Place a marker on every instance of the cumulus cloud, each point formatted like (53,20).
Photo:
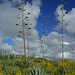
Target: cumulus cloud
(68,18)
(53,44)
(8,20)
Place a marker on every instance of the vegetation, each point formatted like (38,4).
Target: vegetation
(18,66)
(11,64)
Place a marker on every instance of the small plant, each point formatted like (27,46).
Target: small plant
(35,70)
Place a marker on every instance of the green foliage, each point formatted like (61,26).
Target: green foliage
(35,70)
(37,60)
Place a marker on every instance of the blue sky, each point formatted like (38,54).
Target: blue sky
(38,9)
(48,9)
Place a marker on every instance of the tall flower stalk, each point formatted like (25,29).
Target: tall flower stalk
(23,25)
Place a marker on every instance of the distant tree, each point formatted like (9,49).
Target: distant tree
(23,23)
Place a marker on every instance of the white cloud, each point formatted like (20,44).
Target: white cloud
(8,20)
(68,18)
(8,28)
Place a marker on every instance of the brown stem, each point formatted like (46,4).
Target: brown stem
(62,41)
(23,31)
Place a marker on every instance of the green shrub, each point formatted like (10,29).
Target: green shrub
(35,70)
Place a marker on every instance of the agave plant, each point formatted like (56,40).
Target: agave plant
(35,70)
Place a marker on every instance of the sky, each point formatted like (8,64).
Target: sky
(9,42)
